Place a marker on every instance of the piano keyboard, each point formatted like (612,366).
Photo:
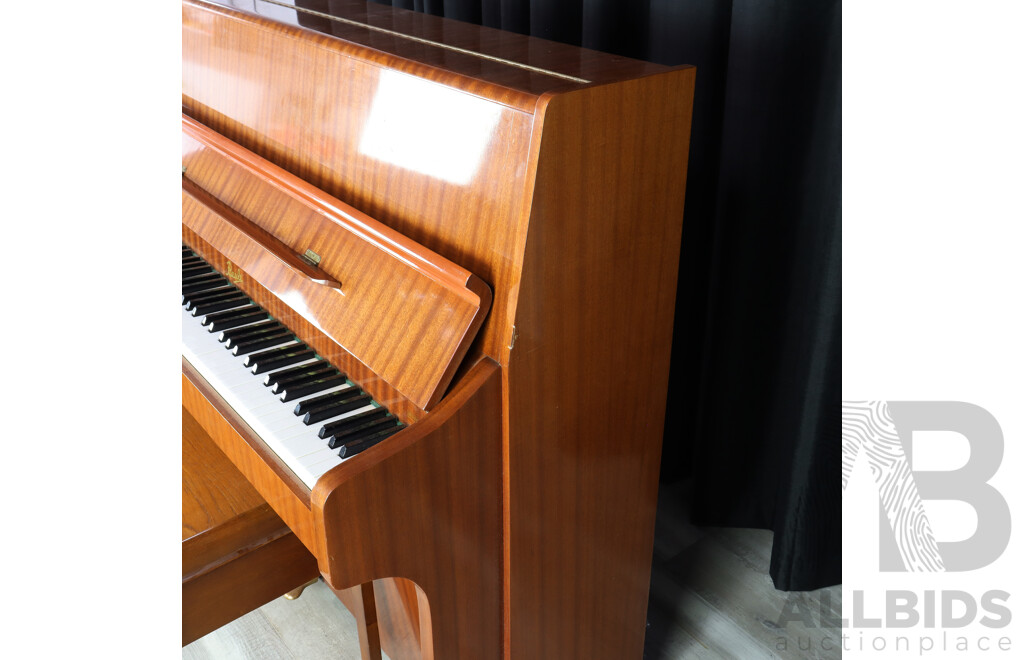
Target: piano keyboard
(303,408)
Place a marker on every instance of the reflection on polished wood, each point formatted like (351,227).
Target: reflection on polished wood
(370,277)
(514,517)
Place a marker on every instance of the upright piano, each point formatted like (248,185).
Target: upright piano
(429,271)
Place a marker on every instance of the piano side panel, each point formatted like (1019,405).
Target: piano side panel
(426,506)
(589,371)
(442,159)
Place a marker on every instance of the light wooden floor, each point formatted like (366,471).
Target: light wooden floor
(711,597)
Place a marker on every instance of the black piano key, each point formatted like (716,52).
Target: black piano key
(219,304)
(275,354)
(230,314)
(260,342)
(300,390)
(216,280)
(320,413)
(238,333)
(302,378)
(304,406)
(342,425)
(286,374)
(328,399)
(234,321)
(231,343)
(199,277)
(361,431)
(253,331)
(191,270)
(352,448)
(242,310)
(213,294)
(283,357)
(193,298)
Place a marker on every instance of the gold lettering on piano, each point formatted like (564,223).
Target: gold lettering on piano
(233,273)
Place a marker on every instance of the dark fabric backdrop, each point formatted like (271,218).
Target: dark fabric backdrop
(754,393)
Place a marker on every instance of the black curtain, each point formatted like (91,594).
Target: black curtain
(754,392)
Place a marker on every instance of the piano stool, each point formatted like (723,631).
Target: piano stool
(236,553)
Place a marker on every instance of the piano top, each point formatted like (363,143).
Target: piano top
(435,128)
(525,64)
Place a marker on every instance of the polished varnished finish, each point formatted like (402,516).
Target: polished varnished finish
(566,197)
(275,483)
(519,62)
(406,313)
(381,391)
(211,599)
(360,602)
(597,300)
(439,483)
(229,535)
(400,621)
(339,138)
(212,490)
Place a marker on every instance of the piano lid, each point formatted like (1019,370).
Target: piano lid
(526,64)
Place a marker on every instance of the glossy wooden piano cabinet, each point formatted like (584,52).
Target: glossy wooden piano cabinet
(523,502)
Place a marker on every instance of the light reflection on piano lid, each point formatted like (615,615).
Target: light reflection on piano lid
(446,140)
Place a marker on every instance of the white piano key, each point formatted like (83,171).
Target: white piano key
(296,443)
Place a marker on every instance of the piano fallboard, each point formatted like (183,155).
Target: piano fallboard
(405,312)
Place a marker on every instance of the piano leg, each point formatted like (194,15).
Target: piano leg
(360,602)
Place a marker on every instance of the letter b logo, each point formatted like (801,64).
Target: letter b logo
(883,430)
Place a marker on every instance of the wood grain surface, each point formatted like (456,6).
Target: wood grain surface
(381,390)
(459,189)
(588,376)
(213,598)
(236,554)
(407,313)
(213,492)
(435,496)
(530,534)
(527,64)
(360,602)
(281,489)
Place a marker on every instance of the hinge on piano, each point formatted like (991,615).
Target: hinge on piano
(515,335)
(311,258)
